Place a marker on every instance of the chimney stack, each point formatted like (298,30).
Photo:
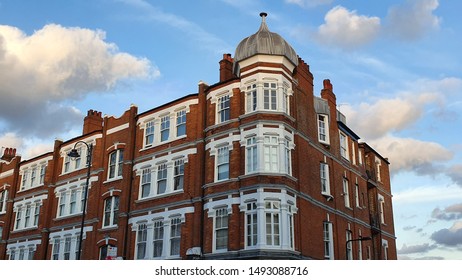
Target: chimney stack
(92,122)
(8,154)
(226,67)
(327,93)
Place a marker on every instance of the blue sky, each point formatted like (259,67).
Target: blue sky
(395,66)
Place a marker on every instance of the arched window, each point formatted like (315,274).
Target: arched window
(111,211)
(116,159)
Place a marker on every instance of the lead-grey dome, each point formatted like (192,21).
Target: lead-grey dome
(264,42)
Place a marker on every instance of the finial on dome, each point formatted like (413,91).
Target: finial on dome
(263,16)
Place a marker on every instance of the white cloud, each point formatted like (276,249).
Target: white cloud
(455,173)
(413,249)
(377,122)
(347,29)
(10,140)
(412,19)
(407,154)
(53,65)
(450,213)
(427,194)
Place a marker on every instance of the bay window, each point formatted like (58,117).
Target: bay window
(270,96)
(252,155)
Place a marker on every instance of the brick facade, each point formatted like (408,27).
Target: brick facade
(222,174)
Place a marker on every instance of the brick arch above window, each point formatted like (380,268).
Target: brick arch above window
(116,146)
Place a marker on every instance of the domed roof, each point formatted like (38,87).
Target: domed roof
(264,42)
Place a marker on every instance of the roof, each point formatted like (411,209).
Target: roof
(265,42)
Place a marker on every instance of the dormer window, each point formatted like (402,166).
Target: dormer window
(323,129)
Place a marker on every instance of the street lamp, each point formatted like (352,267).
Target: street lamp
(75,154)
(353,240)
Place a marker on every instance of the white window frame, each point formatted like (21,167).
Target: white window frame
(273,212)
(165,128)
(65,201)
(181,123)
(252,161)
(25,179)
(158,238)
(328,237)
(115,164)
(325,178)
(252,98)
(349,246)
(346,192)
(146,182)
(251,224)
(111,211)
(323,129)
(68,167)
(378,165)
(26,215)
(271,153)
(175,236)
(270,96)
(58,240)
(178,174)
(222,163)
(357,200)
(344,146)
(385,249)
(149,136)
(381,201)
(220,227)
(224,108)
(141,238)
(3,200)
(162,179)
(43,170)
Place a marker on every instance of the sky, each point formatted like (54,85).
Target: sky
(396,68)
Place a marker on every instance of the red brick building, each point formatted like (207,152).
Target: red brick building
(254,166)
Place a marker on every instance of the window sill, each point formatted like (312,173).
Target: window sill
(25,229)
(30,188)
(268,174)
(156,144)
(72,171)
(216,183)
(108,228)
(113,180)
(67,216)
(263,111)
(328,196)
(158,196)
